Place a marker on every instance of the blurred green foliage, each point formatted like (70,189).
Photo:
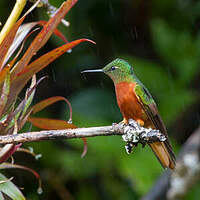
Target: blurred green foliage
(161,41)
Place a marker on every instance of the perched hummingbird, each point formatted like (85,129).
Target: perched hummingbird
(135,102)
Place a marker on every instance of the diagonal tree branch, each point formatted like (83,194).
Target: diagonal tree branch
(175,185)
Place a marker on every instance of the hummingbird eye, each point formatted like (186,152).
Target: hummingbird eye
(112,68)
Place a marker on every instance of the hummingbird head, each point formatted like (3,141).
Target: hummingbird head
(118,70)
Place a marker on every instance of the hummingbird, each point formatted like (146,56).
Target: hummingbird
(135,102)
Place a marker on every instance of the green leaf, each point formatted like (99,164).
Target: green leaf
(8,188)
(29,98)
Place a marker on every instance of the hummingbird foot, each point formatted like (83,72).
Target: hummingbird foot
(135,134)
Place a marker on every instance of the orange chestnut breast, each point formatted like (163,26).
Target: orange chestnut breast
(128,103)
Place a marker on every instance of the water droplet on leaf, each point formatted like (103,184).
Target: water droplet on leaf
(70,121)
(39,190)
(69,51)
(38,156)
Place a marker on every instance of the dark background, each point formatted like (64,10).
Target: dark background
(161,41)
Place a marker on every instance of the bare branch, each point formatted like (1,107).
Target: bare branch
(58,134)
(132,134)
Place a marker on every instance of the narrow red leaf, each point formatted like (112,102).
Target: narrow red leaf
(49,57)
(6,43)
(47,102)
(50,124)
(19,81)
(44,35)
(9,165)
(15,166)
(8,40)
(3,73)
(43,104)
(56,31)
(7,151)
(85,147)
(54,124)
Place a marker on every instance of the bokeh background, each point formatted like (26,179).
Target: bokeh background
(161,41)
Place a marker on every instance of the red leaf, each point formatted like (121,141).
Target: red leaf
(44,35)
(41,105)
(7,151)
(8,40)
(6,43)
(8,165)
(49,57)
(47,102)
(19,81)
(15,166)
(54,124)
(56,31)
(50,124)
(85,147)
(4,72)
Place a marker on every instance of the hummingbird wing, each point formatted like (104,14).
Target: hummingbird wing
(162,150)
